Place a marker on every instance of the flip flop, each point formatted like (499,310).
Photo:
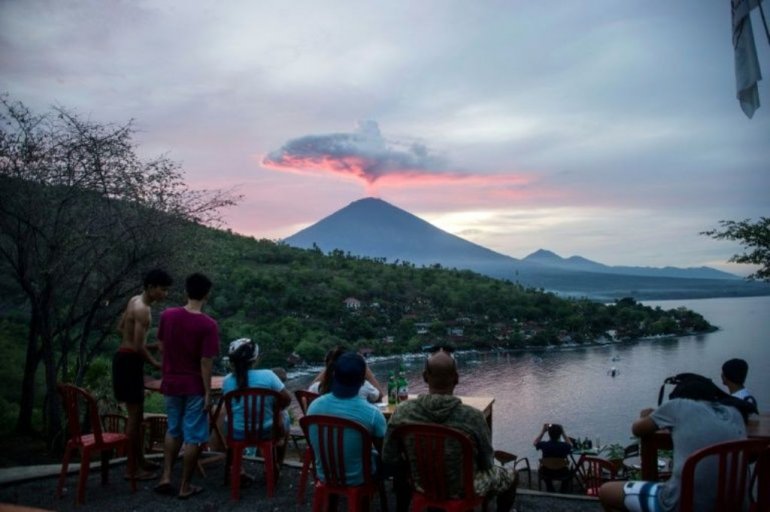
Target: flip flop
(193,491)
(165,488)
(144,475)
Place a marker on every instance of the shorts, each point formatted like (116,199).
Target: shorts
(128,377)
(187,419)
(641,496)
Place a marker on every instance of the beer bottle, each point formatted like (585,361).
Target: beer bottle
(403,386)
(392,389)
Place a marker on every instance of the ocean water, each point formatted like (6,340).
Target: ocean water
(574,387)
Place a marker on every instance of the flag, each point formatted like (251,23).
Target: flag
(747,72)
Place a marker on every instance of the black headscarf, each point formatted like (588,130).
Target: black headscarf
(697,387)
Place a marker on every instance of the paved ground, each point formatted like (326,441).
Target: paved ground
(35,487)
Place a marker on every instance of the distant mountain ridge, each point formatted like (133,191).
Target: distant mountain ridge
(373,228)
(545,257)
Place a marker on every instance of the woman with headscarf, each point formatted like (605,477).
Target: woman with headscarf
(243,354)
(698,414)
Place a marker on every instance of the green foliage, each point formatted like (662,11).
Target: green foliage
(753,237)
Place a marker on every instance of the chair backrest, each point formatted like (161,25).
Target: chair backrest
(335,452)
(253,405)
(432,453)
(632,450)
(733,461)
(78,402)
(305,398)
(156,426)
(113,422)
(596,471)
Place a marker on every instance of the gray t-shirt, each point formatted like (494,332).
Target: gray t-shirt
(695,425)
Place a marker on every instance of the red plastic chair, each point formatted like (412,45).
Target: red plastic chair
(733,485)
(305,398)
(595,471)
(432,479)
(74,399)
(327,442)
(255,401)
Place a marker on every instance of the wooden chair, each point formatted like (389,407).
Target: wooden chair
(115,423)
(504,458)
(561,464)
(596,471)
(255,403)
(77,402)
(304,399)
(334,442)
(433,481)
(734,481)
(155,427)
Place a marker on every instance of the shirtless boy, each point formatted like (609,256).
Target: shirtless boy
(128,364)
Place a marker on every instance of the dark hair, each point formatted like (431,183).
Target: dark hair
(157,277)
(697,387)
(197,286)
(241,361)
(332,355)
(735,370)
(555,431)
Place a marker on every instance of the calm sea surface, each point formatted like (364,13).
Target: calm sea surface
(573,386)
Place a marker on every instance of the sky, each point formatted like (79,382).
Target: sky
(607,129)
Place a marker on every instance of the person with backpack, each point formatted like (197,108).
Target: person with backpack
(699,414)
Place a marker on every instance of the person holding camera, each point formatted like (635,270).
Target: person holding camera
(554,465)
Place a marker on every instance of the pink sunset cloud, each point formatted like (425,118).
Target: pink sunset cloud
(366,156)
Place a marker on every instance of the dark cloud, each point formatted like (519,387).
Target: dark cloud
(363,153)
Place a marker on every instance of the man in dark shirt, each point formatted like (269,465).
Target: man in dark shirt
(554,464)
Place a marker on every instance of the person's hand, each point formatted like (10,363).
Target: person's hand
(545,426)
(646,412)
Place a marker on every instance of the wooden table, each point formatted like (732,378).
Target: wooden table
(758,427)
(482,403)
(153,384)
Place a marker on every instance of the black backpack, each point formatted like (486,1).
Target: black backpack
(678,379)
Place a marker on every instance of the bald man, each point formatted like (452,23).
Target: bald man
(441,407)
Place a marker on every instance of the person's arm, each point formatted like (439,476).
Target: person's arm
(207,363)
(645,424)
(566,438)
(285,399)
(377,443)
(540,436)
(373,380)
(141,327)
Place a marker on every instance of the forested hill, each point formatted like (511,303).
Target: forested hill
(302,302)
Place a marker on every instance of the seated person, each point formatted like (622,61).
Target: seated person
(440,406)
(734,373)
(243,355)
(344,401)
(699,414)
(370,390)
(554,465)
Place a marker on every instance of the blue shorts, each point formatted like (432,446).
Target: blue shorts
(641,496)
(187,419)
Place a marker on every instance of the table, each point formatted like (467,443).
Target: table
(482,403)
(758,427)
(153,384)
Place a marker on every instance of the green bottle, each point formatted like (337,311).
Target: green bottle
(392,389)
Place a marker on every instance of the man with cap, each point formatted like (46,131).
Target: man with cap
(440,406)
(349,373)
(734,373)
(243,355)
